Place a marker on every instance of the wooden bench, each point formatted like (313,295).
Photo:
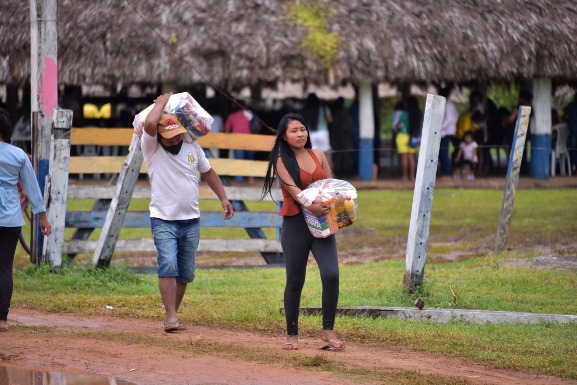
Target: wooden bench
(253,222)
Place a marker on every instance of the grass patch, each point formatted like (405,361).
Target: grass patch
(463,226)
(250,299)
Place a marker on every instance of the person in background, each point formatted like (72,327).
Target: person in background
(398,110)
(570,112)
(376,133)
(480,102)
(525,98)
(175,167)
(466,159)
(296,165)
(555,118)
(354,138)
(408,124)
(340,136)
(449,129)
(319,117)
(470,121)
(217,125)
(238,122)
(15,167)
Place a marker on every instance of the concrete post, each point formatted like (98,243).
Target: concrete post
(418,237)
(541,129)
(44,96)
(366,132)
(521,129)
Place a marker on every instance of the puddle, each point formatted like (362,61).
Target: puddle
(15,375)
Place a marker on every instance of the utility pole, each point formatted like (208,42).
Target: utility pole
(44,96)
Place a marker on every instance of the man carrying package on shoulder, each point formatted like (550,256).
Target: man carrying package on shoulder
(175,167)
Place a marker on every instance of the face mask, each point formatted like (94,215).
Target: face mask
(174,149)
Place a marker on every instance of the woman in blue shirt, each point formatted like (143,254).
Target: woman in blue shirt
(14,167)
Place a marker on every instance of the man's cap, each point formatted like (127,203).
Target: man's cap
(169,126)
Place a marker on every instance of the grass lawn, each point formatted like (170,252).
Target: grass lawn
(250,299)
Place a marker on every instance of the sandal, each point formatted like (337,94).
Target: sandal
(334,346)
(171,327)
(290,346)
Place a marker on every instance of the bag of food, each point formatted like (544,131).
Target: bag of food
(341,196)
(190,114)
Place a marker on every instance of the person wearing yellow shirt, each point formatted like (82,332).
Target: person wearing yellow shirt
(469,121)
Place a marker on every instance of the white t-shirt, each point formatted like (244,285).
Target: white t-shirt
(469,151)
(450,119)
(174,179)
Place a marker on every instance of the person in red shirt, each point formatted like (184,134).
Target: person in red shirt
(238,122)
(296,165)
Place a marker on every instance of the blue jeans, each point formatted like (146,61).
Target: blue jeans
(176,243)
(444,157)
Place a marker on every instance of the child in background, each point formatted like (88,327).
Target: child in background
(466,159)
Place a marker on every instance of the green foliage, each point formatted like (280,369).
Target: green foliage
(322,43)
(504,94)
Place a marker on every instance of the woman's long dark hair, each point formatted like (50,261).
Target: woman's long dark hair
(283,150)
(5,126)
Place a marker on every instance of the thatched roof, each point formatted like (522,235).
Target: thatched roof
(234,43)
(457,40)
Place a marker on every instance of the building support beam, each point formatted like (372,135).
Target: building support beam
(541,129)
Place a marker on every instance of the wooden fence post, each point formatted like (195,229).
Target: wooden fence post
(57,186)
(119,204)
(512,177)
(423,195)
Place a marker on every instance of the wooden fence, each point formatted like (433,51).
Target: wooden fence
(253,222)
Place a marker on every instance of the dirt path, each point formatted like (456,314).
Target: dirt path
(68,351)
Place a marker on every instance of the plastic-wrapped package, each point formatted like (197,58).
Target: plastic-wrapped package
(342,197)
(191,114)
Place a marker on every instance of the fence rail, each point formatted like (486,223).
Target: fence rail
(253,222)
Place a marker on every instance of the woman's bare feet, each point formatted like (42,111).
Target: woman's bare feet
(4,326)
(333,343)
(292,343)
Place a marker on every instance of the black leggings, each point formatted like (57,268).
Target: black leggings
(8,242)
(297,242)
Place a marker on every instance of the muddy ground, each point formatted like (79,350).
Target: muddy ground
(74,344)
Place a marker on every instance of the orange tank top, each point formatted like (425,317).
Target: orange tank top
(291,207)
